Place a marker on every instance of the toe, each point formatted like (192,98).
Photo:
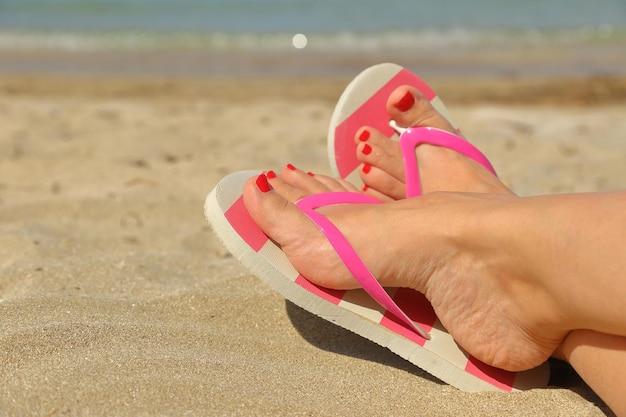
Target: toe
(270,206)
(334,184)
(380,152)
(294,181)
(301,180)
(381,185)
(409,107)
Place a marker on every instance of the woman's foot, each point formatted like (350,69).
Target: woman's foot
(428,244)
(441,169)
(424,243)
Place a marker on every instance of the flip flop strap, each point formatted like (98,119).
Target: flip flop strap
(346,252)
(415,136)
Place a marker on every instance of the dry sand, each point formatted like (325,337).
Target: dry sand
(116,298)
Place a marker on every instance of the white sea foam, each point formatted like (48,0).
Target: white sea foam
(351,41)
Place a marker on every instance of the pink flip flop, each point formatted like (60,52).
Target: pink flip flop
(397,318)
(363,102)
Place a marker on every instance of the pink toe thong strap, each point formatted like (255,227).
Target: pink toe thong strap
(415,136)
(346,252)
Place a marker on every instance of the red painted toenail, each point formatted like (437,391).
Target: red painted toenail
(262,184)
(406,102)
(365,135)
(366,168)
(367,149)
(291,167)
(270,175)
(365,188)
(310,174)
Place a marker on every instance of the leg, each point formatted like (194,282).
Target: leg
(600,360)
(419,256)
(596,356)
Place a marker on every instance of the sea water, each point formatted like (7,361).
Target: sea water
(332,26)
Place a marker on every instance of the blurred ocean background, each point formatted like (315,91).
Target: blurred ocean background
(226,36)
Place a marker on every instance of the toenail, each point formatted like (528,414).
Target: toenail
(365,187)
(262,184)
(291,167)
(270,174)
(366,168)
(406,102)
(367,149)
(310,174)
(365,135)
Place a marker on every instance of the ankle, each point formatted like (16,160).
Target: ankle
(505,240)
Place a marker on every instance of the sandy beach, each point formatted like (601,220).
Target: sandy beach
(117,299)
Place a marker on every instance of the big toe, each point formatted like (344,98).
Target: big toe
(408,107)
(271,210)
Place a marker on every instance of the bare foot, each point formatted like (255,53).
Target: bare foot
(435,244)
(441,169)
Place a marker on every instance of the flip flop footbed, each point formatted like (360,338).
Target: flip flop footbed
(364,103)
(355,310)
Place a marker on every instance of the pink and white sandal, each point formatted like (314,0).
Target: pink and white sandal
(363,102)
(397,318)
